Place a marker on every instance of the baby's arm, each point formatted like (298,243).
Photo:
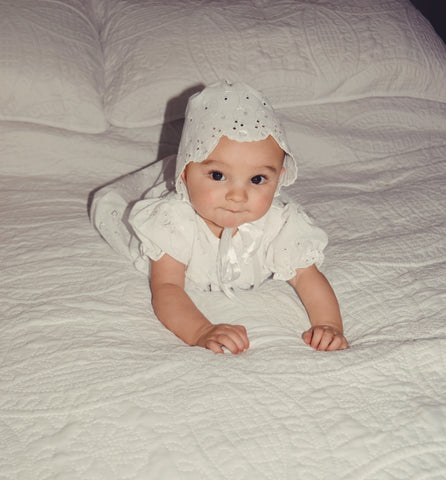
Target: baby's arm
(318,298)
(178,313)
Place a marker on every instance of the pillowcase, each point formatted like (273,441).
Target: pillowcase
(51,65)
(296,52)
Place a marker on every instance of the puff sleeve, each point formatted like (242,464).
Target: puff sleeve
(298,244)
(164,226)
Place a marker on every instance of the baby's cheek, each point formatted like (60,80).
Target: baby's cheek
(202,198)
(264,203)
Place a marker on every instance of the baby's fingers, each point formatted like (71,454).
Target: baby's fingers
(235,340)
(321,338)
(339,342)
(306,336)
(233,337)
(325,338)
(221,342)
(313,337)
(242,337)
(214,346)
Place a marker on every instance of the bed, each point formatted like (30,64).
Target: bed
(91,385)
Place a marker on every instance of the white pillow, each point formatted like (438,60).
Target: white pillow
(51,67)
(297,52)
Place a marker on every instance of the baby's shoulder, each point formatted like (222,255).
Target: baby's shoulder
(282,212)
(170,210)
(288,220)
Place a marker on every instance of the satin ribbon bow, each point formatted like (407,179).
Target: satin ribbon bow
(228,266)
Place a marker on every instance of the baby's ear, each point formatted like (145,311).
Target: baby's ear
(281,171)
(183,176)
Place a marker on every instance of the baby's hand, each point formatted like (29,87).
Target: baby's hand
(233,337)
(325,337)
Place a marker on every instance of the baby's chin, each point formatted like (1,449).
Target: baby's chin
(217,228)
(235,220)
(228,220)
(231,222)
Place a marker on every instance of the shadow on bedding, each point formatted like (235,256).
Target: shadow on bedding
(109,205)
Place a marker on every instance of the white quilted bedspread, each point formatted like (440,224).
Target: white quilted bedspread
(93,387)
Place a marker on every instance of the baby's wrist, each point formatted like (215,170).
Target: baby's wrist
(328,326)
(200,334)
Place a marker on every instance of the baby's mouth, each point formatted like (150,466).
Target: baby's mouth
(229,210)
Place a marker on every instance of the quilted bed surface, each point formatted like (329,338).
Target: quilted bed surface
(93,387)
(82,64)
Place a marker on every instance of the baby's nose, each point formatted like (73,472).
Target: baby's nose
(237,193)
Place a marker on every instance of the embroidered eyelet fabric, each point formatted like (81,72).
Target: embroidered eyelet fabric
(275,245)
(92,385)
(237,111)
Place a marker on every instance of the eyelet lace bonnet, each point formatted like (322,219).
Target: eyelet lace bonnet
(237,111)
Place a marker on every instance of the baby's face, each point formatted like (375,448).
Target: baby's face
(236,183)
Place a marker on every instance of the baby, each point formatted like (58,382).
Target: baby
(225,228)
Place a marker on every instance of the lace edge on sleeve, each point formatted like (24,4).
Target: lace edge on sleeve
(163,227)
(298,244)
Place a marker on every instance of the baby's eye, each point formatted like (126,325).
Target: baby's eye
(258,179)
(217,176)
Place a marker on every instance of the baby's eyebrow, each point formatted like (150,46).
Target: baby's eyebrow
(269,167)
(210,161)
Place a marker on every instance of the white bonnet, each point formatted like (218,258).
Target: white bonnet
(237,111)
